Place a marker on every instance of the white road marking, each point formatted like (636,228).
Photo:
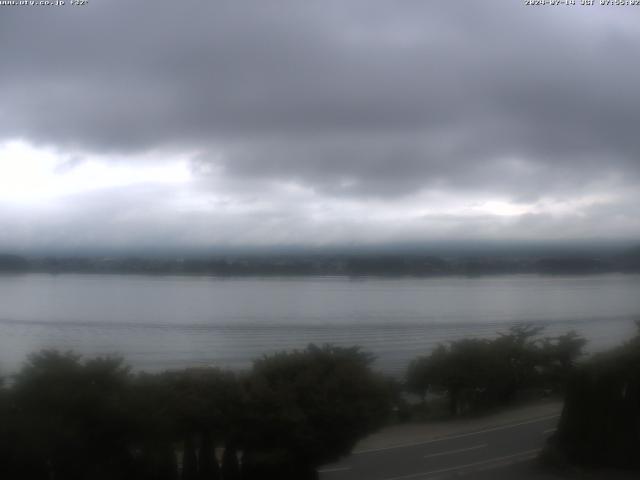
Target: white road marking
(453,437)
(525,456)
(336,469)
(459,450)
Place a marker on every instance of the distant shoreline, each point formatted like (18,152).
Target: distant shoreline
(344,266)
(293,276)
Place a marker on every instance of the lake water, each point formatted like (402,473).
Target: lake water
(172,322)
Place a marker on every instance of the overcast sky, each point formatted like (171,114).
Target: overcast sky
(274,122)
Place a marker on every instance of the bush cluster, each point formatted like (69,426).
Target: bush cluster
(476,374)
(67,418)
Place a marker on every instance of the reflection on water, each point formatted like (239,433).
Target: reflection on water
(163,322)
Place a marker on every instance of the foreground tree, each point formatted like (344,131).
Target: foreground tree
(600,423)
(309,407)
(193,411)
(559,358)
(70,419)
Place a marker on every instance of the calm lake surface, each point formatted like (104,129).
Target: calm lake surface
(172,322)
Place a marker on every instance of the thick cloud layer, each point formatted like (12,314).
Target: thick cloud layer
(383,106)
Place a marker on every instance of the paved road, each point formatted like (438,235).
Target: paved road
(452,455)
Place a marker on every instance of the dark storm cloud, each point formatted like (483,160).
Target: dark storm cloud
(348,97)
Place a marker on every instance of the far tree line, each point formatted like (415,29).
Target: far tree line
(377,264)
